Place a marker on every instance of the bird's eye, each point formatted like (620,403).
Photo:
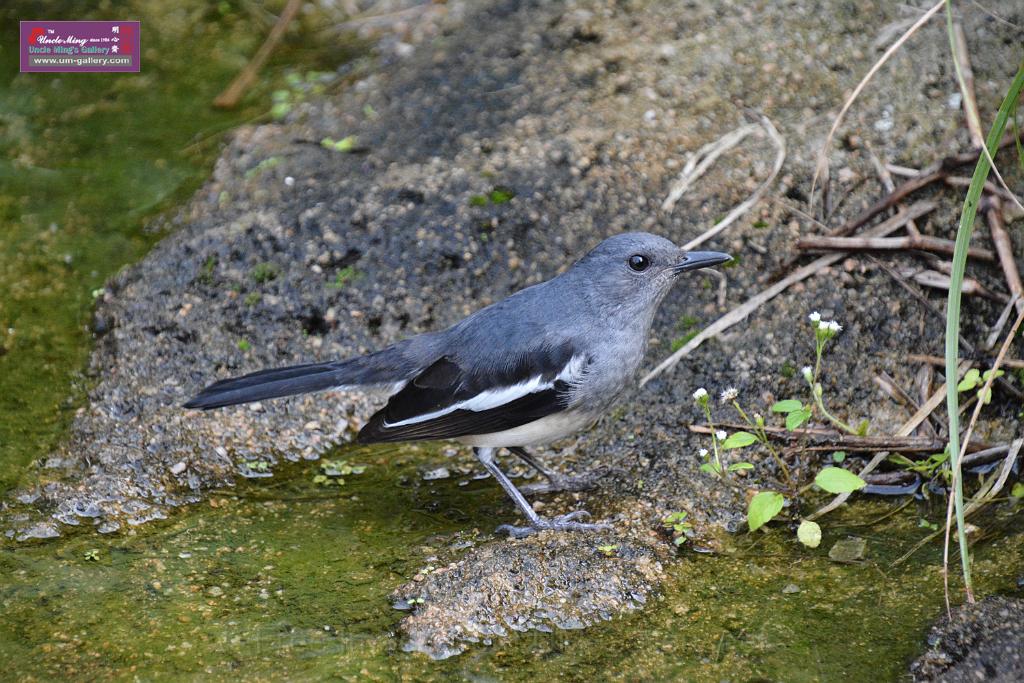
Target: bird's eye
(639,262)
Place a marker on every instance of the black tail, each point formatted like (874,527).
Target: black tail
(297,379)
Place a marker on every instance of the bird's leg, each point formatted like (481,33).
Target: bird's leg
(556,482)
(537,523)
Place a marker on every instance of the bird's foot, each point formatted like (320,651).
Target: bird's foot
(566,522)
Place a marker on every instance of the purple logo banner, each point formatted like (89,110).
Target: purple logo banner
(80,46)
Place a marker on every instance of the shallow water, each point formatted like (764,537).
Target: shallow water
(86,160)
(284,578)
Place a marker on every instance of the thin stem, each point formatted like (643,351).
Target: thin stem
(714,439)
(816,391)
(762,436)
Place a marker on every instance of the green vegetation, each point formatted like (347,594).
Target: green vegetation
(344,276)
(265,165)
(346,144)
(300,87)
(498,195)
(959,265)
(333,472)
(263,273)
(766,504)
(676,523)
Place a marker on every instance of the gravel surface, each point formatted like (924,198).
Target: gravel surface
(981,642)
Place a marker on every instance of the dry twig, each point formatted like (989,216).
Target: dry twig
(821,169)
(752,304)
(917,242)
(234,92)
(705,156)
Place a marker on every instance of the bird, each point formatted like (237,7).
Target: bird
(538,366)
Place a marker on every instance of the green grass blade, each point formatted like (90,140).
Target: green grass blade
(963,240)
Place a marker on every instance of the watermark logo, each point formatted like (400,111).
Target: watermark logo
(80,46)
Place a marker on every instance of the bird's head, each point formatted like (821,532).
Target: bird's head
(635,270)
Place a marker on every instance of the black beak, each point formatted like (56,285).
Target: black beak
(700,259)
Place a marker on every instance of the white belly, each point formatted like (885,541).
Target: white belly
(542,431)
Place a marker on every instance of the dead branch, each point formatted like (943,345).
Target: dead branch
(910,242)
(752,304)
(749,202)
(233,93)
(892,389)
(969,286)
(1004,247)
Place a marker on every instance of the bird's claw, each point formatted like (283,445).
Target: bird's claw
(566,522)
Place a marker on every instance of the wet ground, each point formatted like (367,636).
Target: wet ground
(286,579)
(486,161)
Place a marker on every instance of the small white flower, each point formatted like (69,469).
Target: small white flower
(807,372)
(815,317)
(720,435)
(703,452)
(289,181)
(701,393)
(823,326)
(728,395)
(835,327)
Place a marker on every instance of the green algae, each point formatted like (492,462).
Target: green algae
(86,161)
(282,579)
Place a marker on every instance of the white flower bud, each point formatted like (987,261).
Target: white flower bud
(815,317)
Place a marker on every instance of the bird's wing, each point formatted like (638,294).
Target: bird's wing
(449,399)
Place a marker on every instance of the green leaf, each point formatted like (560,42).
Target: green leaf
(838,480)
(862,428)
(739,440)
(787,406)
(737,466)
(809,533)
(959,265)
(500,195)
(901,460)
(763,506)
(346,144)
(839,456)
(1018,490)
(797,418)
(969,381)
(710,467)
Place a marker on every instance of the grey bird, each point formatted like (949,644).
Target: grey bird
(536,367)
